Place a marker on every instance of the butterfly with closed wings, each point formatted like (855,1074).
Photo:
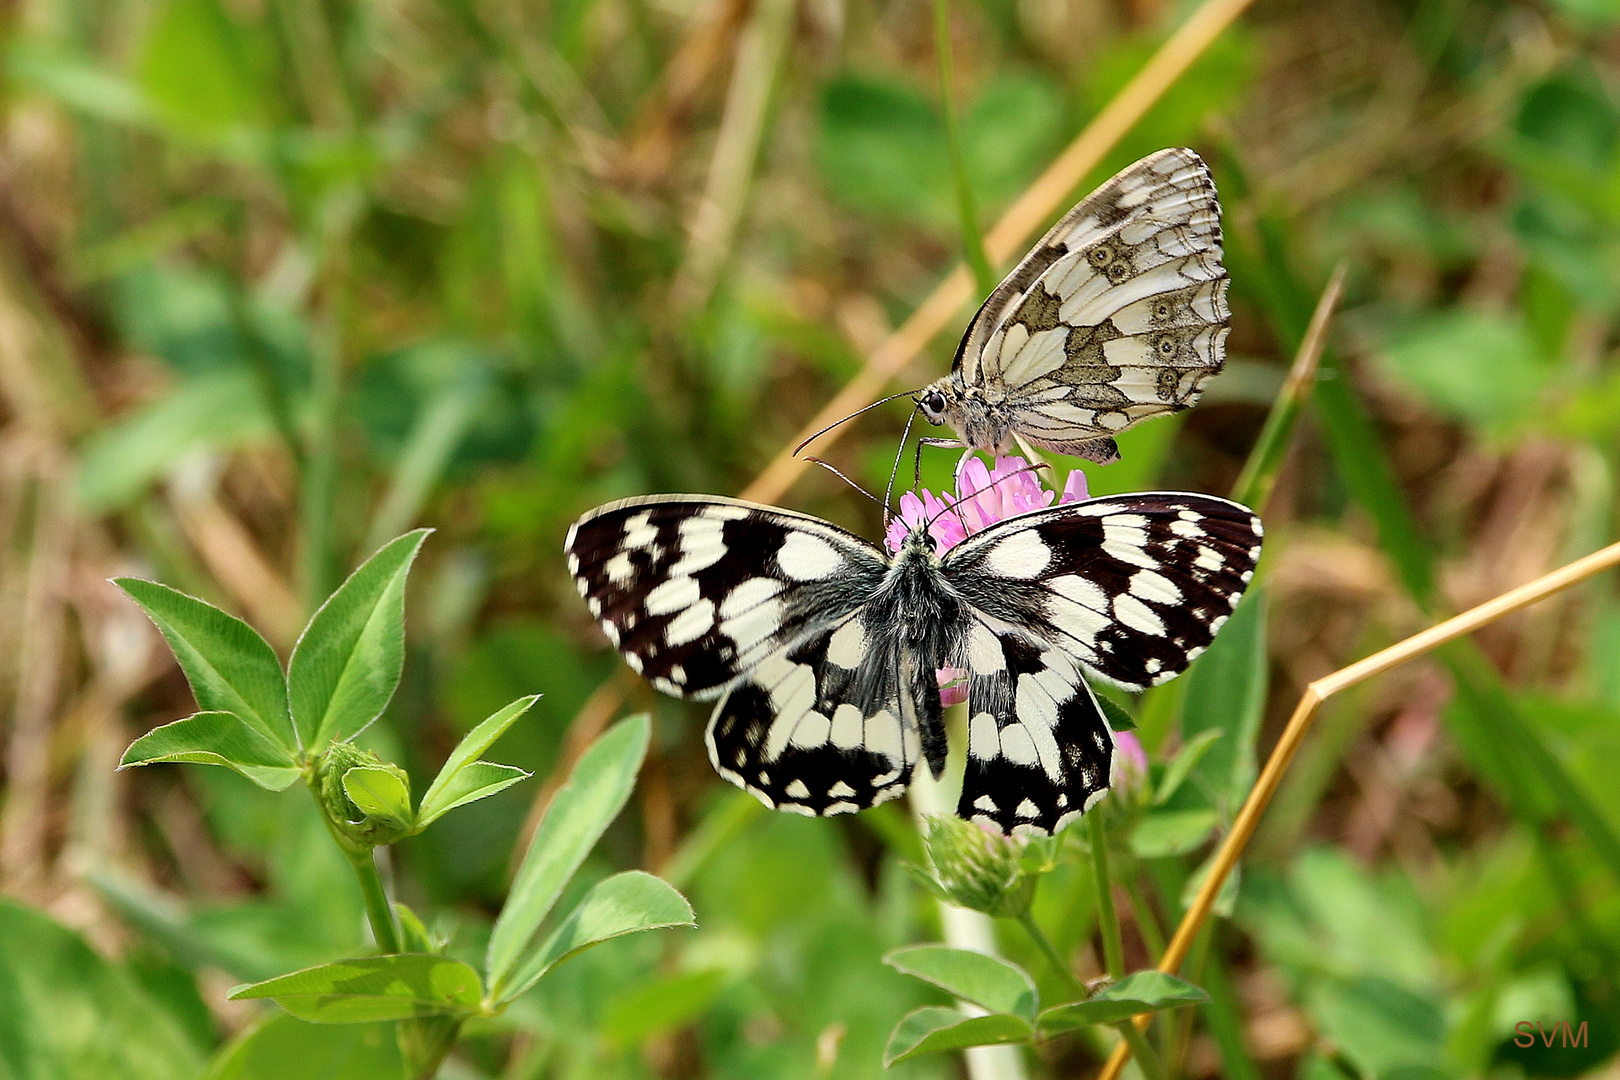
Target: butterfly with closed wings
(822,648)
(1117,315)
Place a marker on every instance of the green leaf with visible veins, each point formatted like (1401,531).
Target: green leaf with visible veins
(578,815)
(464,778)
(229,666)
(622,904)
(1143,992)
(937,1030)
(215,738)
(396,987)
(348,659)
(988,981)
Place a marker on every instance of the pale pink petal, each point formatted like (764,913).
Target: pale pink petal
(952,685)
(1075,490)
(1131,762)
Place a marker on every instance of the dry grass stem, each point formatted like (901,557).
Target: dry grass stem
(759,56)
(1300,723)
(24,829)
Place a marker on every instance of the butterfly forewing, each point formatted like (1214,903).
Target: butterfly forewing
(1133,587)
(694,591)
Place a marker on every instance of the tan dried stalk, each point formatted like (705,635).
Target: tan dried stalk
(1299,724)
(1037,205)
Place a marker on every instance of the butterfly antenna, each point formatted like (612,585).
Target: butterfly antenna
(851,416)
(834,470)
(899,455)
(957,504)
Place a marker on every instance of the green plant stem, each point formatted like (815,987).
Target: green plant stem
(972,241)
(1049,951)
(1146,1059)
(425,1043)
(320,479)
(378,910)
(1146,921)
(1114,944)
(1107,917)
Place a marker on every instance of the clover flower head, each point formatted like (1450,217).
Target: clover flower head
(1130,761)
(946,528)
(976,868)
(983,497)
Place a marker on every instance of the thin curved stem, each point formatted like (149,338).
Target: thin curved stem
(1053,960)
(379,910)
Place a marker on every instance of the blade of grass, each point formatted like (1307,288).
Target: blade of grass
(972,243)
(1254,483)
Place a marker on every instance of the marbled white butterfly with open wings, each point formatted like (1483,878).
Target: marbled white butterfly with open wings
(822,648)
(1118,314)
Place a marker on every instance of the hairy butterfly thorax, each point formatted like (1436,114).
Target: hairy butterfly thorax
(821,650)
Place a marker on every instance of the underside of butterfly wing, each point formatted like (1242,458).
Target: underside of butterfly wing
(1117,315)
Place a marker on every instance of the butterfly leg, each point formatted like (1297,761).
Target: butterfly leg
(949,444)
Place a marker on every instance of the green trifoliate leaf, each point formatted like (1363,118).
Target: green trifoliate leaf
(397,987)
(216,738)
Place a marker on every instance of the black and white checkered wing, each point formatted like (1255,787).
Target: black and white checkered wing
(763,608)
(1039,749)
(1117,314)
(819,727)
(1131,588)
(695,590)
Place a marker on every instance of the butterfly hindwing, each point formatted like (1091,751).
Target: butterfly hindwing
(818,727)
(695,590)
(1039,751)
(1133,587)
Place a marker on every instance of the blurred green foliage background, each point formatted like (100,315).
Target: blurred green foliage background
(280,279)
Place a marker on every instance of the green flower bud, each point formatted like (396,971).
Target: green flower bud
(353,825)
(976,870)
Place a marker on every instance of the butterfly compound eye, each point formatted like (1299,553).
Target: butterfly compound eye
(933,406)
